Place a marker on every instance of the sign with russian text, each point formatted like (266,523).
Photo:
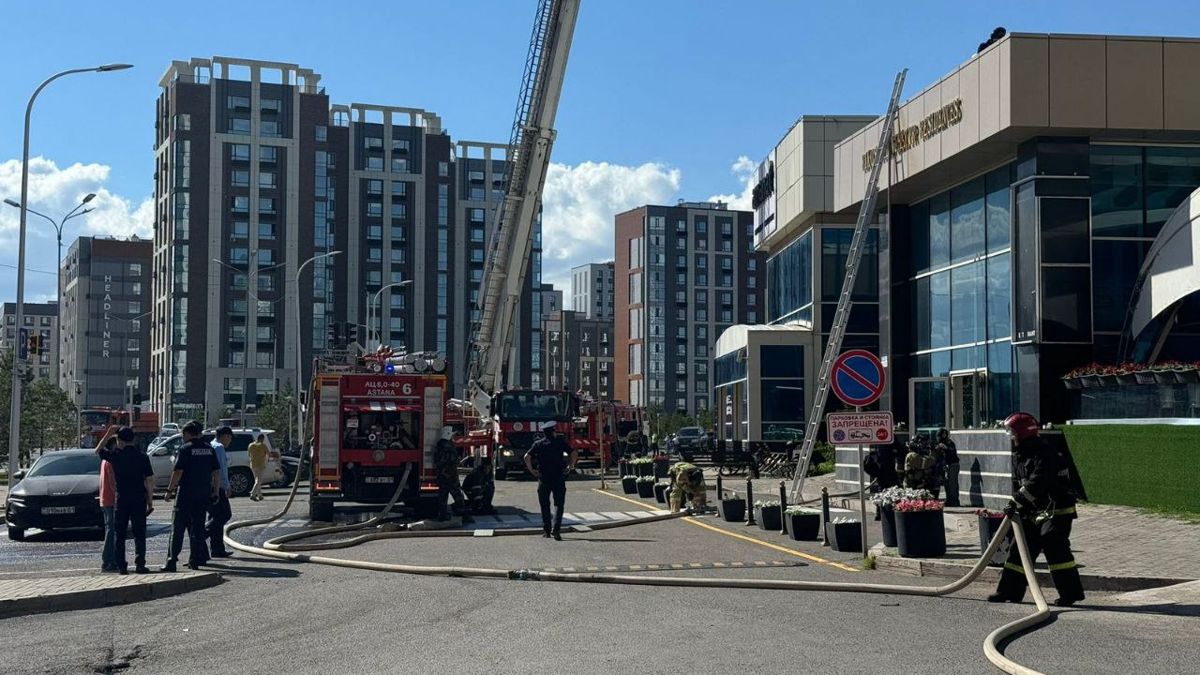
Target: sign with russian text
(867,428)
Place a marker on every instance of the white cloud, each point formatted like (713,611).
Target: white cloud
(578,205)
(743,169)
(54,191)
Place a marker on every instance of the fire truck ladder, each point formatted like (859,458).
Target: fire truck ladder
(866,213)
(528,158)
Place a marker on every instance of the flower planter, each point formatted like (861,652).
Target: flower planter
(1187,376)
(660,467)
(660,492)
(844,537)
(1164,377)
(920,534)
(1126,380)
(1071,383)
(629,486)
(733,510)
(1144,377)
(804,526)
(1090,381)
(887,521)
(988,526)
(644,469)
(769,518)
(645,489)
(1108,380)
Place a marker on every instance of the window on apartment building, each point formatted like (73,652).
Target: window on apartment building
(372,143)
(702,244)
(399,190)
(266,205)
(239,178)
(399,165)
(726,298)
(268,154)
(400,145)
(321,133)
(477,275)
(751,300)
(681,225)
(269,128)
(701,351)
(726,262)
(727,280)
(135,288)
(701,279)
(135,269)
(374,232)
(239,229)
(701,224)
(183,122)
(271,106)
(399,210)
(727,316)
(237,125)
(239,152)
(752,265)
(476,255)
(752,282)
(239,282)
(397,255)
(701,262)
(266,256)
(237,102)
(239,256)
(751,317)
(681,260)
(681,313)
(398,232)
(375,209)
(727,246)
(702,333)
(374,164)
(135,306)
(726,227)
(266,179)
(374,254)
(443,169)
(477,235)
(375,187)
(373,277)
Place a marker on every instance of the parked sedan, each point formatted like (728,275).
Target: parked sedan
(686,442)
(60,491)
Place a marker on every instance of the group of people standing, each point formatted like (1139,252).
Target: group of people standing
(199,486)
(923,465)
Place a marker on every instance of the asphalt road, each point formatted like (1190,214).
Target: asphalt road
(278,617)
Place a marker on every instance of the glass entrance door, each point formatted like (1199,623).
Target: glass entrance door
(929,405)
(968,399)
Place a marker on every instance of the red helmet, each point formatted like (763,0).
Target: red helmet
(1021,425)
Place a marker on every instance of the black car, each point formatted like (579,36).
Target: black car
(61,490)
(687,442)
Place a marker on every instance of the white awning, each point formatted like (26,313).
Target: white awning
(1172,268)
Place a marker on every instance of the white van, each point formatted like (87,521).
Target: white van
(241,479)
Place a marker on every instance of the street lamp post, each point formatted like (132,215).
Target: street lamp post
(371,313)
(14,427)
(299,359)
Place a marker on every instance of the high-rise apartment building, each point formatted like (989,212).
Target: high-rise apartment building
(41,319)
(105,321)
(683,275)
(579,354)
(259,178)
(592,290)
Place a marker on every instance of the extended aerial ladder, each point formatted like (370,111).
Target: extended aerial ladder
(866,213)
(527,160)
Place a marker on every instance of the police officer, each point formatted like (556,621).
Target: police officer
(687,478)
(135,497)
(480,487)
(547,460)
(445,461)
(1043,506)
(950,456)
(197,482)
(219,512)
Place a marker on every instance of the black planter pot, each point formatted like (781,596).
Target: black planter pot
(733,510)
(1126,380)
(845,537)
(921,534)
(1071,383)
(660,467)
(1144,377)
(804,526)
(643,469)
(645,489)
(1164,377)
(887,519)
(769,518)
(988,526)
(1187,376)
(660,492)
(629,486)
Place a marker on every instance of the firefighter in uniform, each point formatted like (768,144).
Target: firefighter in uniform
(1043,506)
(689,478)
(480,487)
(445,461)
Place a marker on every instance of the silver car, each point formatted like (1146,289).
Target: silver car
(241,478)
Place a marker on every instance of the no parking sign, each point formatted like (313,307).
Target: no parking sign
(858,377)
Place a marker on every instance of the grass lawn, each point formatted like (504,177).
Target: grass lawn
(1156,467)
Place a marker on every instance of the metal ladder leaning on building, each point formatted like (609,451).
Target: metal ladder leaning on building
(866,213)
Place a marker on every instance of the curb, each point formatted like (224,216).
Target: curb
(922,567)
(104,597)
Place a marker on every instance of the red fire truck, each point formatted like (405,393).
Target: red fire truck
(517,415)
(97,423)
(606,431)
(370,421)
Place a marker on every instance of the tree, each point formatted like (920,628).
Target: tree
(47,414)
(705,419)
(654,418)
(279,413)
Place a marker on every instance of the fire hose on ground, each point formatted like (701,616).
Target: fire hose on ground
(284,548)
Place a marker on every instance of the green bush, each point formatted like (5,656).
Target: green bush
(1150,466)
(823,459)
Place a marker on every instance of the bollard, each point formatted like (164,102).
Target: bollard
(720,493)
(825,515)
(783,521)
(750,503)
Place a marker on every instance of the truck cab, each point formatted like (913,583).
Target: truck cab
(517,415)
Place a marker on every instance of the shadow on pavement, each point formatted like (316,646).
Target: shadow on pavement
(1164,609)
(229,570)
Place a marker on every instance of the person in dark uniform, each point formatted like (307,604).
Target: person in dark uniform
(547,461)
(135,497)
(219,512)
(1043,506)
(197,482)
(480,487)
(445,460)
(950,458)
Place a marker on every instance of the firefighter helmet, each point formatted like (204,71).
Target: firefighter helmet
(1021,425)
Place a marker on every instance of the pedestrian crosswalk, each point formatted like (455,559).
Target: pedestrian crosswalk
(513,520)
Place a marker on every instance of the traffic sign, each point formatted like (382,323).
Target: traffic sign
(858,377)
(22,344)
(869,428)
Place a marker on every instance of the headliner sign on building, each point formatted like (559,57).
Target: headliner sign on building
(106,329)
(907,138)
(763,199)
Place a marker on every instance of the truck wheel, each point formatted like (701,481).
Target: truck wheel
(320,509)
(16,533)
(240,482)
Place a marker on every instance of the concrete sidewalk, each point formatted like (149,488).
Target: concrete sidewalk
(40,592)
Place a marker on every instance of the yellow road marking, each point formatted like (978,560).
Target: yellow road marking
(752,540)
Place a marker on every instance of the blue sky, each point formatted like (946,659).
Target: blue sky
(662,96)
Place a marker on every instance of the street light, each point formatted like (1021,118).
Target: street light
(14,427)
(299,360)
(371,313)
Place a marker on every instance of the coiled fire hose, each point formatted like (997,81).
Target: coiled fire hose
(281,548)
